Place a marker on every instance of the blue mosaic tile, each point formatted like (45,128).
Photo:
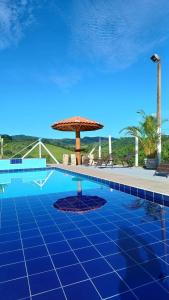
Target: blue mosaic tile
(109,285)
(19,288)
(108,248)
(64,259)
(135,276)
(141,193)
(58,247)
(120,261)
(98,238)
(153,289)
(32,242)
(35,252)
(157,268)
(149,196)
(43,282)
(87,253)
(52,295)
(127,189)
(79,243)
(122,187)
(97,267)
(166,200)
(39,265)
(124,296)
(84,290)
(10,246)
(13,271)
(134,191)
(11,257)
(71,274)
(158,198)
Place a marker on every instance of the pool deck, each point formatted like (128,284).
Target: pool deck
(135,177)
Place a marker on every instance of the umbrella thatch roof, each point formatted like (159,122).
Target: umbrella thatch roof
(77,123)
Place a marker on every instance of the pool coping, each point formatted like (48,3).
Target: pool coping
(144,193)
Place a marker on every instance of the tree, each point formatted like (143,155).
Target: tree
(146,132)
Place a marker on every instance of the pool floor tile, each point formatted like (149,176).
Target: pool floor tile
(124,296)
(54,237)
(98,238)
(87,253)
(64,259)
(43,282)
(39,265)
(71,274)
(72,234)
(35,252)
(120,261)
(97,267)
(157,268)
(14,290)
(11,257)
(13,271)
(152,289)
(58,247)
(10,246)
(109,285)
(51,295)
(32,242)
(83,291)
(108,248)
(135,276)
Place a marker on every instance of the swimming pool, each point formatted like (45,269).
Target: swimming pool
(65,237)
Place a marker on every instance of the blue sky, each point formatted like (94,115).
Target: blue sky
(89,58)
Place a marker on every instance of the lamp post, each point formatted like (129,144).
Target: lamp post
(136,151)
(100,148)
(155,58)
(1,146)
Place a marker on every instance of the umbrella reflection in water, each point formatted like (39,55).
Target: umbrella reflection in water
(79,203)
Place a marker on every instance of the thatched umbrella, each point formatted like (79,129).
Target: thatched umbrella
(77,124)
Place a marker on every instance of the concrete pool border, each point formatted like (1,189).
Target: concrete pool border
(119,185)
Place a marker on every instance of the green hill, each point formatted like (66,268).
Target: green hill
(15,148)
(120,147)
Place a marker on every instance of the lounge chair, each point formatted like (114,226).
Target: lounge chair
(162,170)
(65,159)
(128,159)
(107,162)
(73,159)
(85,161)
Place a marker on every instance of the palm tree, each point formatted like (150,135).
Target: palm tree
(146,133)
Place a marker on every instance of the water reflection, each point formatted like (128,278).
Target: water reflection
(79,203)
(41,182)
(146,264)
(3,187)
(157,265)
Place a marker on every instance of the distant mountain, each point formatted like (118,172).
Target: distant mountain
(65,142)
(22,137)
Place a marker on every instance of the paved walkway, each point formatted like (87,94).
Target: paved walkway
(136,177)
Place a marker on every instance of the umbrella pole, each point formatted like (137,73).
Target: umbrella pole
(78,156)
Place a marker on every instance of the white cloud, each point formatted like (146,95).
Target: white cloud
(117,32)
(15,15)
(66,80)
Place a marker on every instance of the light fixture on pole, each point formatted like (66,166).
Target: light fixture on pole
(155,58)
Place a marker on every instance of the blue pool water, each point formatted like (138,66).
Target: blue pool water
(64,237)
